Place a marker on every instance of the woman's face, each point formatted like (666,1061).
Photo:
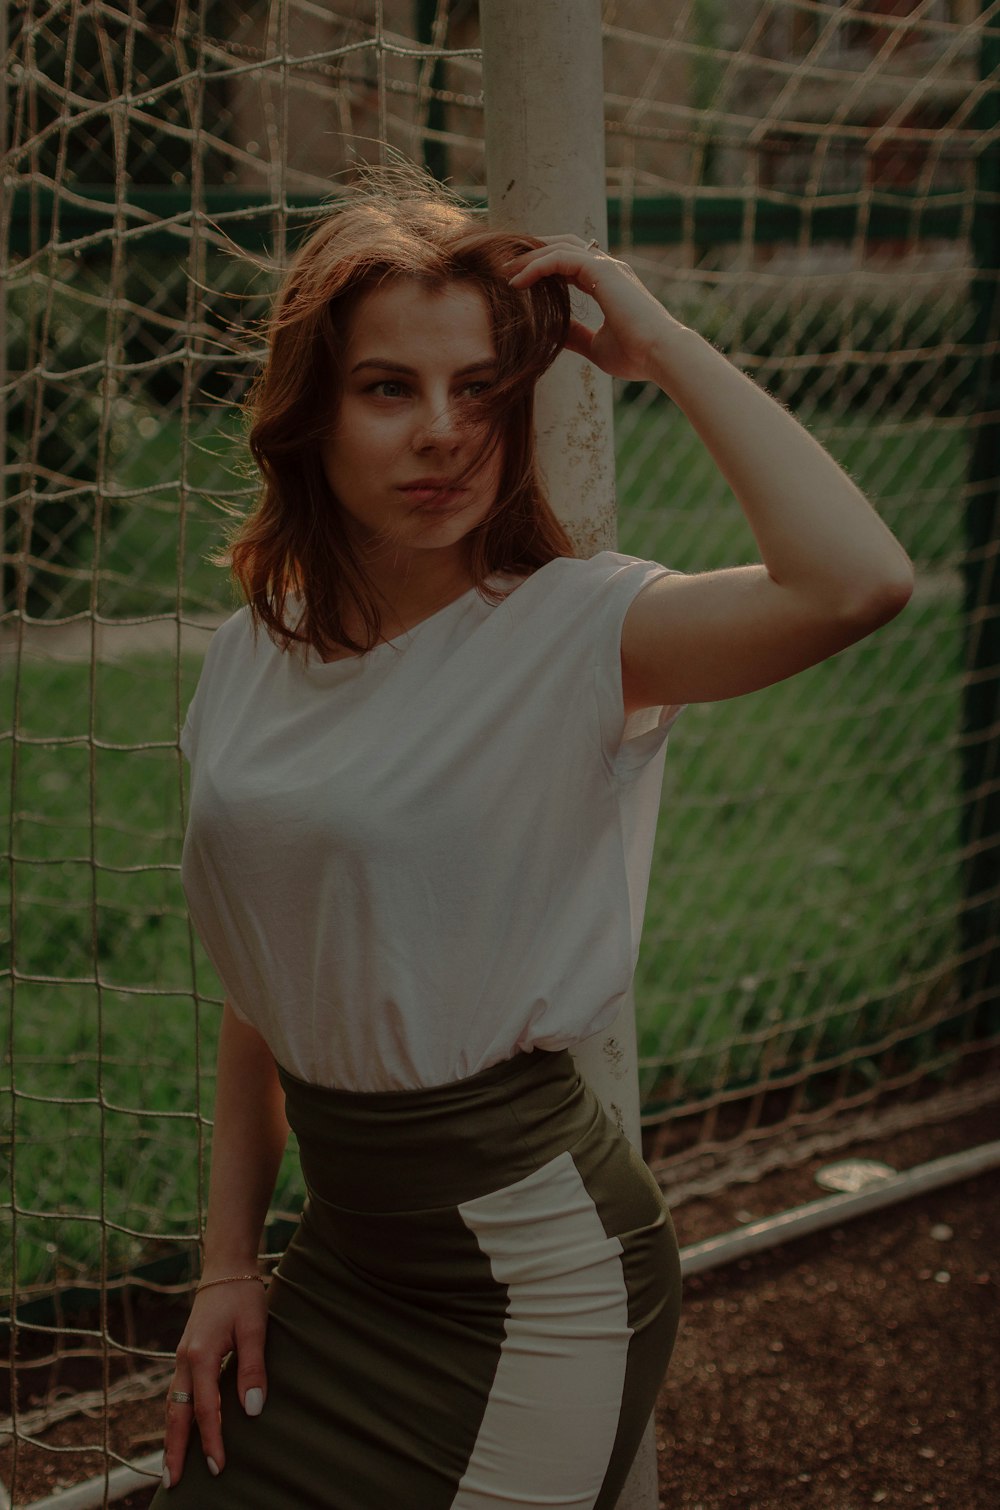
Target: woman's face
(412,357)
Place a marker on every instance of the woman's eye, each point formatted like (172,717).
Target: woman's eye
(393,388)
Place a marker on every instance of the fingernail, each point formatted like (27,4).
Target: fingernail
(213,1467)
(254,1402)
(166,1477)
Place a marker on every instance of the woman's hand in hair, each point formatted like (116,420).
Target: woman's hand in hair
(634,321)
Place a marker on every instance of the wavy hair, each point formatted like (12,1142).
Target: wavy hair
(397,222)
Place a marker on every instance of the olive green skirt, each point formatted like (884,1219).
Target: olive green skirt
(476,1310)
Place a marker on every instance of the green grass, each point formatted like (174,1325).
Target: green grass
(805,868)
(108,1089)
(671,493)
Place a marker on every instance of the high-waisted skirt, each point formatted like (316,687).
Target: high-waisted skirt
(476,1310)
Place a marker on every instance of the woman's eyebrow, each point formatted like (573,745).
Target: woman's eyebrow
(489,363)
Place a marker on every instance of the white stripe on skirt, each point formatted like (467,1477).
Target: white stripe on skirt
(550,1422)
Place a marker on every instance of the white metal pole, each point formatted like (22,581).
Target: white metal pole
(543,83)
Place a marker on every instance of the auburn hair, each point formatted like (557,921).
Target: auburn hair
(396,222)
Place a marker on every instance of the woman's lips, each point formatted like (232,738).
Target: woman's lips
(443,498)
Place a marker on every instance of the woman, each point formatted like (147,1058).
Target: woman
(421,825)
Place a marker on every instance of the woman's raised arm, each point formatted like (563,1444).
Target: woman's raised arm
(830,572)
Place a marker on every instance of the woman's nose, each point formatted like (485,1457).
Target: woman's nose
(439,427)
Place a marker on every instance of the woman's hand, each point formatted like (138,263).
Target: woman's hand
(634,322)
(224,1318)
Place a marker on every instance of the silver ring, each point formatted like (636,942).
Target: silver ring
(593,246)
(181,1396)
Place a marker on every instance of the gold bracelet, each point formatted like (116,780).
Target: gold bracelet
(207,1284)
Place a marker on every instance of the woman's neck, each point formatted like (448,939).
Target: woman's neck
(403,604)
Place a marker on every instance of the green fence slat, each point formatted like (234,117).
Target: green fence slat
(714,219)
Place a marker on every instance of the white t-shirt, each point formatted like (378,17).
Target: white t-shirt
(406,866)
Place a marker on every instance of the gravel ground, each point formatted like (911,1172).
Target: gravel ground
(853,1368)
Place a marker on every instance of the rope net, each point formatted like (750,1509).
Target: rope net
(811,185)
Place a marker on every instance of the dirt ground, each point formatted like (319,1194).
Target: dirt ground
(856,1367)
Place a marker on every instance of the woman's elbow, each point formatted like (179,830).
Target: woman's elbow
(887,597)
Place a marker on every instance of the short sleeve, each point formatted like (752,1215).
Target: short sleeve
(627,744)
(189,733)
(239,1013)
(188,738)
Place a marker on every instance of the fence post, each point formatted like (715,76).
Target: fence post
(980,919)
(543,82)
(8,528)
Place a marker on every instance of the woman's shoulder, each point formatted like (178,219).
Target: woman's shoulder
(233,630)
(579,571)
(232,640)
(600,563)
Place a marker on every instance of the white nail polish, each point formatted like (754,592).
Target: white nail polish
(166,1477)
(254,1403)
(213,1467)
